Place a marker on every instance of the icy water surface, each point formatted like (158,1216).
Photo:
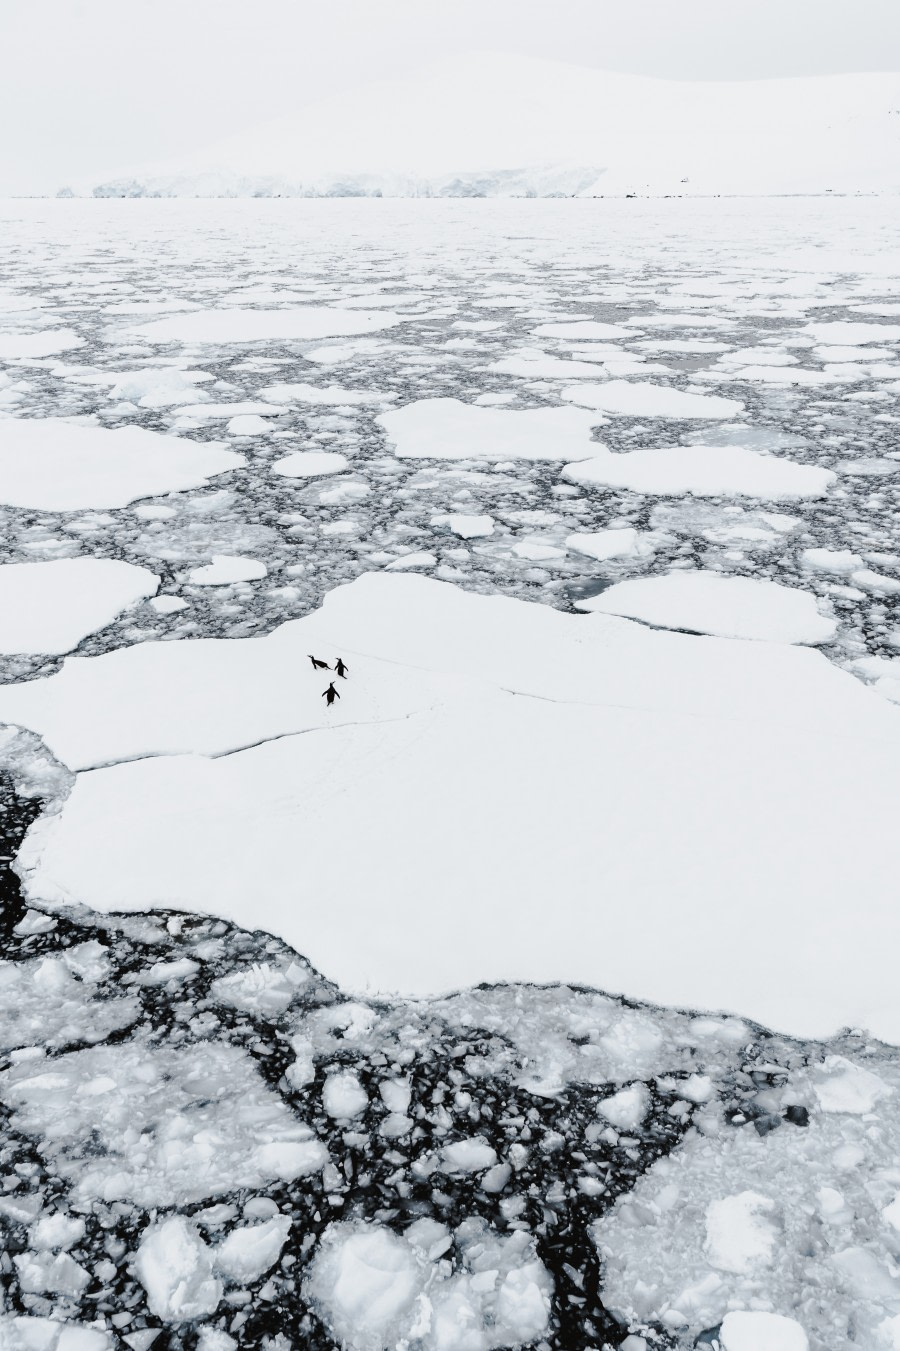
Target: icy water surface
(206,1143)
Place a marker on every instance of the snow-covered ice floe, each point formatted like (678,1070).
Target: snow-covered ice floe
(705,602)
(238,326)
(632,398)
(702,471)
(49,607)
(66,466)
(610,773)
(447,429)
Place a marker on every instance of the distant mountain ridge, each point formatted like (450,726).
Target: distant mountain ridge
(495,125)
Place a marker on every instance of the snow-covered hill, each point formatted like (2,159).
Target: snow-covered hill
(495,125)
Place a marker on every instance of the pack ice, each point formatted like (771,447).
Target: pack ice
(647,797)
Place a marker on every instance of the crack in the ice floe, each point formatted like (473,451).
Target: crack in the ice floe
(250,745)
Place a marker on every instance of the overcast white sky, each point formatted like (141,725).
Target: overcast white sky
(89,85)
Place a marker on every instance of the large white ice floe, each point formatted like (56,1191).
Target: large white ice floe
(607,773)
(632,398)
(56,465)
(447,429)
(702,471)
(49,607)
(730,607)
(31,346)
(226,326)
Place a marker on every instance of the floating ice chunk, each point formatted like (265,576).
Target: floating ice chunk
(366,1282)
(604,544)
(252,1249)
(260,987)
(227,326)
(705,471)
(223,570)
(50,607)
(875,581)
(533,364)
(23,1333)
(867,1277)
(536,552)
(168,605)
(56,1230)
(847,333)
(582,329)
(217,412)
(446,429)
(632,398)
(468,527)
(344,1097)
(419,560)
(841,1086)
(626,1109)
(41,1274)
(15,346)
(310,463)
(706,602)
(159,388)
(741,1232)
(174,1266)
(468,1156)
(328,394)
(701,319)
(290,1159)
(247,424)
(66,466)
(758,1331)
(831,560)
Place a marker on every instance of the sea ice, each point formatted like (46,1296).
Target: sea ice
(704,471)
(56,465)
(49,607)
(707,602)
(632,398)
(758,1331)
(174,1266)
(446,429)
(327,394)
(225,569)
(239,326)
(310,463)
(16,346)
(691,751)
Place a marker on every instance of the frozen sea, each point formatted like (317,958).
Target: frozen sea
(541,991)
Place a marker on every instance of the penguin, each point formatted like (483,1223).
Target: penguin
(318,665)
(341,668)
(330,695)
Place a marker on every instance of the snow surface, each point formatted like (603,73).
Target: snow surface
(701,746)
(704,471)
(447,429)
(239,326)
(224,570)
(730,607)
(310,463)
(56,465)
(49,607)
(631,398)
